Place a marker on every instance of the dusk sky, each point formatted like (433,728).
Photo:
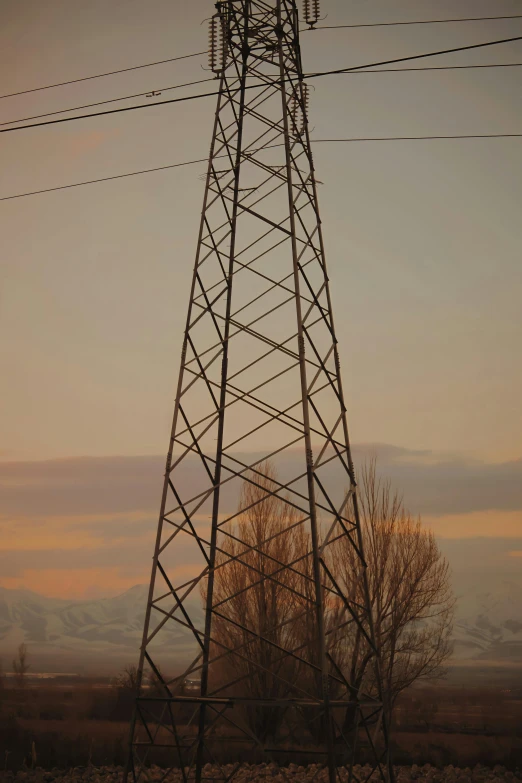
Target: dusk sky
(423,244)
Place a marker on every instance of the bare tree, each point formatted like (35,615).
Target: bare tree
(409,590)
(128,679)
(20,666)
(262,608)
(258,601)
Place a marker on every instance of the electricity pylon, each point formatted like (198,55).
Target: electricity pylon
(259,404)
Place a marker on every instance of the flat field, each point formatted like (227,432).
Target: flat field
(460,722)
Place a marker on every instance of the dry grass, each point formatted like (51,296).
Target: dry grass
(81,725)
(460,750)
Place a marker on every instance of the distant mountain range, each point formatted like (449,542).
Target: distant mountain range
(101,636)
(489,624)
(86,636)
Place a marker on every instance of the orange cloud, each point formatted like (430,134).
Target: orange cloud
(491,524)
(78,583)
(515,553)
(88,531)
(74,583)
(89,555)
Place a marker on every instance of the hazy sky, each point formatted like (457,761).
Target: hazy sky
(423,238)
(85,526)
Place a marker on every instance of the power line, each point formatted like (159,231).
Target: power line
(105,179)
(199,54)
(314,141)
(415,57)
(101,75)
(437,68)
(422,138)
(109,100)
(202,81)
(114,111)
(307,76)
(427,21)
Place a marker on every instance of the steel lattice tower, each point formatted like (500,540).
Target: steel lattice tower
(259,380)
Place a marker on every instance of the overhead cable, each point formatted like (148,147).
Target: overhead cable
(437,68)
(257,86)
(101,75)
(422,138)
(112,111)
(106,179)
(423,21)
(199,54)
(416,57)
(202,81)
(109,100)
(314,141)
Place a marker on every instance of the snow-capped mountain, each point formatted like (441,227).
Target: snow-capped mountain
(103,635)
(489,624)
(85,635)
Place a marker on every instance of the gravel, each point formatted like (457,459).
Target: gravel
(270,772)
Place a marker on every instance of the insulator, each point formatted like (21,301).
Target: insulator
(306,97)
(294,111)
(298,108)
(312,11)
(216,44)
(304,112)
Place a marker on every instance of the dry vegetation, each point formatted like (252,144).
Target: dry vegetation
(56,725)
(76,726)
(264,597)
(460,725)
(61,725)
